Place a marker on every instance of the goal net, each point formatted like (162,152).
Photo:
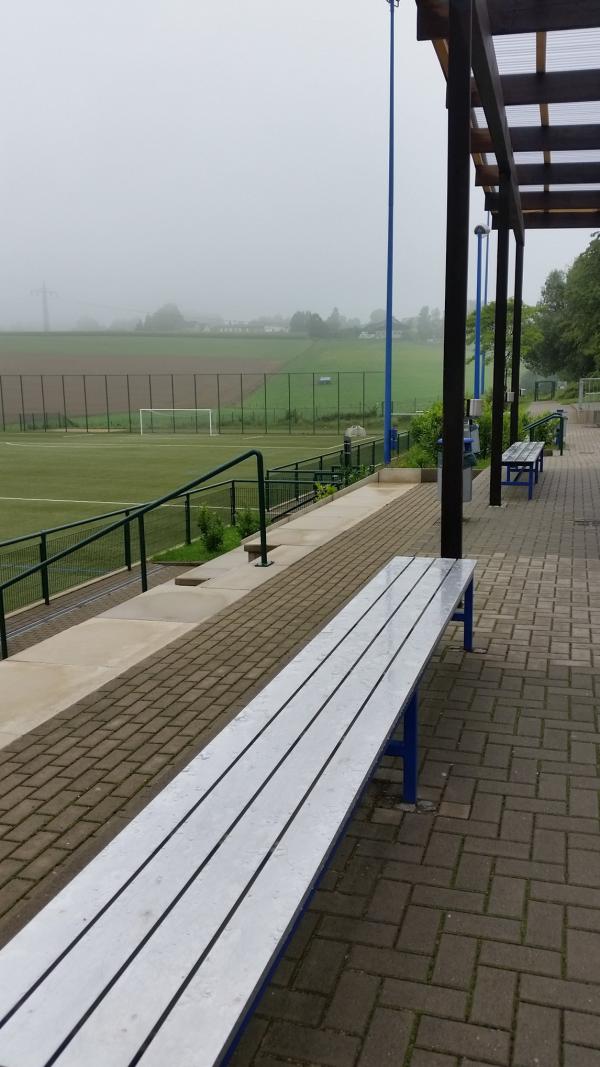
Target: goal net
(178,420)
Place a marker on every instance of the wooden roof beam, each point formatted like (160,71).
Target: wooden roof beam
(571,200)
(558,220)
(544,174)
(485,69)
(558,87)
(539,139)
(514,16)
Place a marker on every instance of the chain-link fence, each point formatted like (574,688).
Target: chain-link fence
(291,403)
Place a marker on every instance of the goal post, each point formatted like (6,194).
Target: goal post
(177,420)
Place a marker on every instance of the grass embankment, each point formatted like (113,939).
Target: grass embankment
(197,552)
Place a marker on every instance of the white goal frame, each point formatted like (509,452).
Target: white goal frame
(175,411)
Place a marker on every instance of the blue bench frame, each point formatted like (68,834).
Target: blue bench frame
(533,468)
(408,748)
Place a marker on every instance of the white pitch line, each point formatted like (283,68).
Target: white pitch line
(65,500)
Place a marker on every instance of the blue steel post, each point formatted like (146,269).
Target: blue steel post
(387,404)
(485,296)
(477,368)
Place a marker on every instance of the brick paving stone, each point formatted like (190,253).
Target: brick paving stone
(493,997)
(537,1038)
(464,1039)
(455,961)
(387,1039)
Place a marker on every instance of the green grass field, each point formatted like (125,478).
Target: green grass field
(49,479)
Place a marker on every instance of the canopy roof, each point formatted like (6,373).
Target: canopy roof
(535,97)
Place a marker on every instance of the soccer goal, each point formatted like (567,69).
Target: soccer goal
(177,420)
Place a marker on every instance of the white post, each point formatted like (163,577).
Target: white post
(581,390)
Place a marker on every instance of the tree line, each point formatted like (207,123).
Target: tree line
(560,335)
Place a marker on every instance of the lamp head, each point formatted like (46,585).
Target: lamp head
(482,231)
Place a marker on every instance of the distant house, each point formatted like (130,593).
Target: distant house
(276,329)
(375,331)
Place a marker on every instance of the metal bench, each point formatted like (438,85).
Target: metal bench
(156,952)
(524,457)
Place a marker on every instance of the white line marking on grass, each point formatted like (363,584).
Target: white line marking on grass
(66,500)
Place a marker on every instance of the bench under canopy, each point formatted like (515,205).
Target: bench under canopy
(155,953)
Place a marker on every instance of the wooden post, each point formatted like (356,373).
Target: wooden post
(457,265)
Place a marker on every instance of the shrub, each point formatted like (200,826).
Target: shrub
(425,430)
(204,519)
(323,491)
(213,536)
(247,522)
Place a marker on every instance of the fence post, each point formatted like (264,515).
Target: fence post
(267,491)
(107,404)
(44,570)
(127,540)
(3,641)
(232,510)
(296,485)
(260,477)
(581,390)
(188,520)
(143,564)
(373,454)
(43,402)
(85,404)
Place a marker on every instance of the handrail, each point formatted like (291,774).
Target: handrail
(137,515)
(558,414)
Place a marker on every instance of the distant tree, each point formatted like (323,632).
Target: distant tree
(530,331)
(581,324)
(300,322)
(168,319)
(377,316)
(335,321)
(317,328)
(87,324)
(423,324)
(552,352)
(436,323)
(126,325)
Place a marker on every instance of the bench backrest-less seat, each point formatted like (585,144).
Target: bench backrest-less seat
(155,953)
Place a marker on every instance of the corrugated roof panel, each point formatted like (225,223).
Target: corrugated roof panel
(515,53)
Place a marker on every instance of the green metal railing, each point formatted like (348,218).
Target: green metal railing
(561,429)
(131,531)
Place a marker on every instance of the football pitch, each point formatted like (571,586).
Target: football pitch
(55,478)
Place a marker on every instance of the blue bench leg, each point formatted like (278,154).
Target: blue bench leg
(468,615)
(411,749)
(530,490)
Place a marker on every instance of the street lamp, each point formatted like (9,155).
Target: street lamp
(481,232)
(387,402)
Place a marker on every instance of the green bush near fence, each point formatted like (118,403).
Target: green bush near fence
(426,430)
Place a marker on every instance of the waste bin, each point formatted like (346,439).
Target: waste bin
(394,438)
(469,461)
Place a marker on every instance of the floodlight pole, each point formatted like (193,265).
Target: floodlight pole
(387,402)
(481,232)
(485,295)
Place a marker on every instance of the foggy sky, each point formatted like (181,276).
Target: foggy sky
(228,156)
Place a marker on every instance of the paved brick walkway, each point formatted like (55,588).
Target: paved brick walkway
(454,937)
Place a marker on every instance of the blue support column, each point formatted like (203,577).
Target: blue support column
(411,749)
(387,402)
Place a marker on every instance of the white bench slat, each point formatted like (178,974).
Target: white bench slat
(276,899)
(216,888)
(523,452)
(83,974)
(41,941)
